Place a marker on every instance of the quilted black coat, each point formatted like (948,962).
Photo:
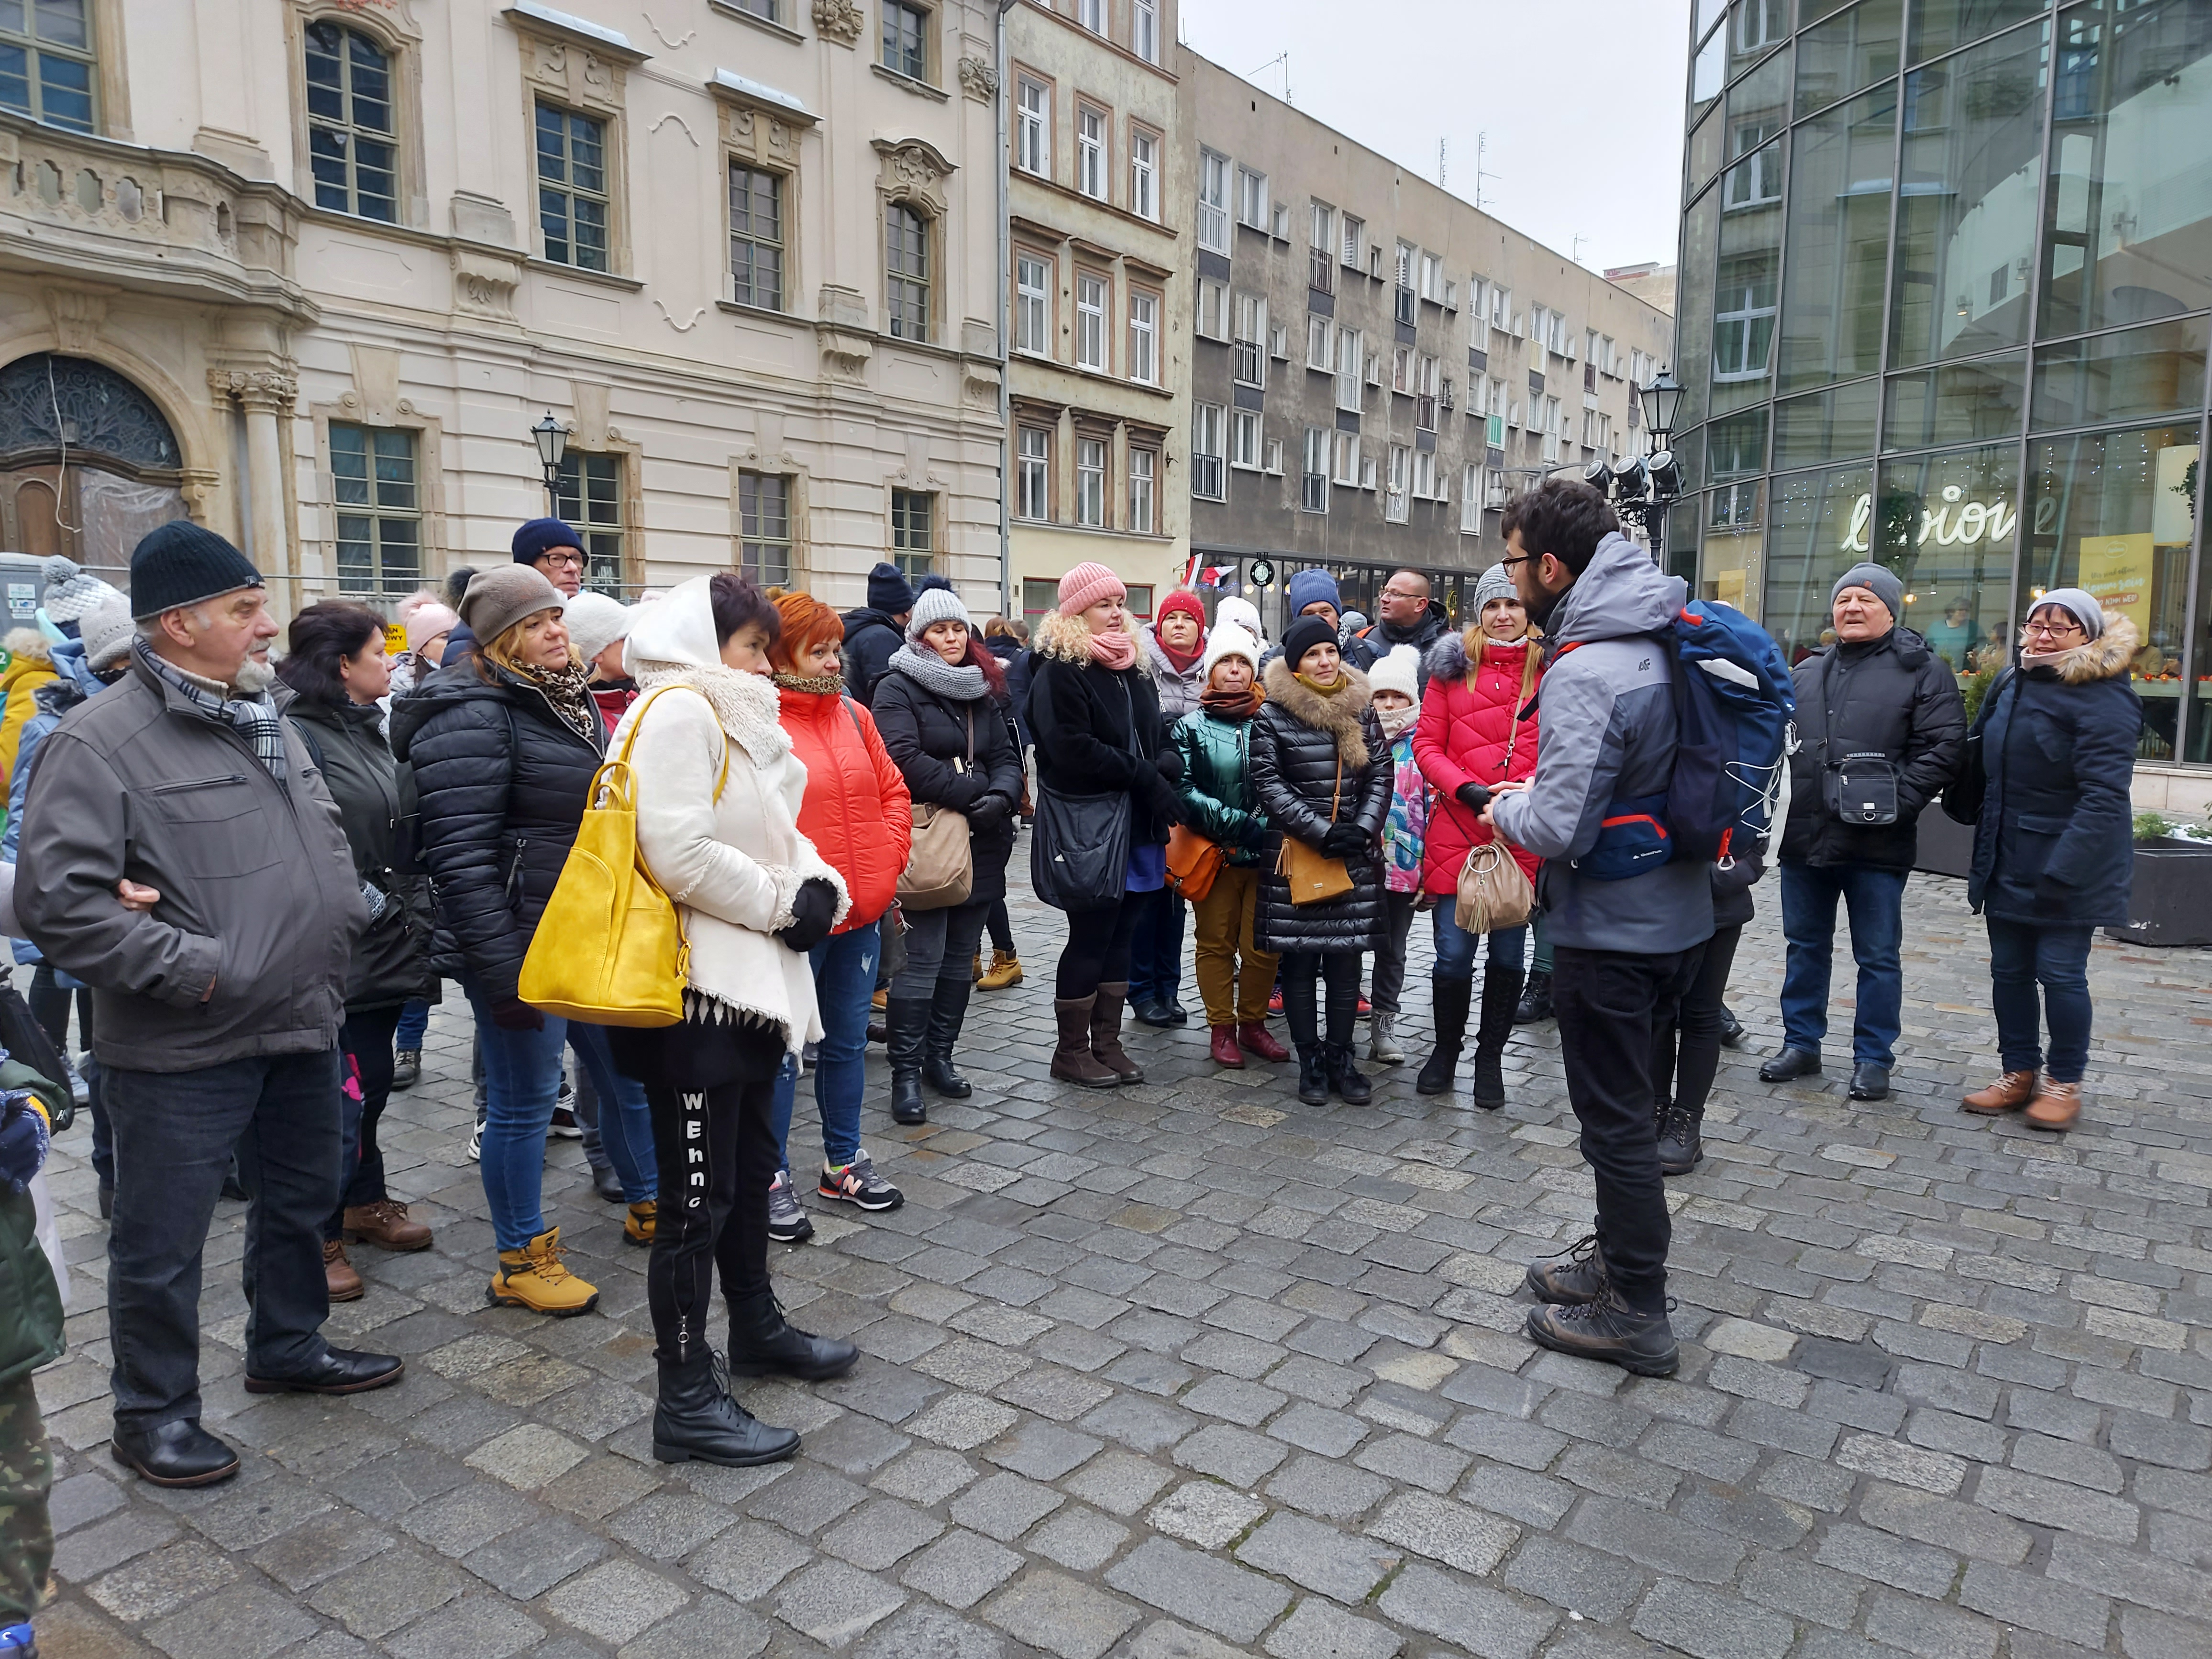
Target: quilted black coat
(1303,744)
(503,782)
(927,735)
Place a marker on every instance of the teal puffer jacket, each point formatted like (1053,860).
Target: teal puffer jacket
(1216,783)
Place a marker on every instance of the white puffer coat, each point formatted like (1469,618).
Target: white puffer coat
(732,863)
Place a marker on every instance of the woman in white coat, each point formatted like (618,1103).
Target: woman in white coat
(718,793)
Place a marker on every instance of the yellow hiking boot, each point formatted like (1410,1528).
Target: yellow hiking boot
(638,1229)
(534,1278)
(1005,969)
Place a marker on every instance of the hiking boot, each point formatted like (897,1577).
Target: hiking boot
(338,1273)
(1535,1000)
(406,1068)
(976,967)
(534,1277)
(1106,1034)
(763,1341)
(1312,1076)
(1254,1037)
(695,1418)
(1681,1148)
(857,1184)
(1005,970)
(1345,1079)
(385,1225)
(1382,1040)
(787,1219)
(907,1022)
(1072,1061)
(1449,999)
(642,1222)
(1573,1277)
(1222,1049)
(2008,1094)
(2057,1106)
(1608,1330)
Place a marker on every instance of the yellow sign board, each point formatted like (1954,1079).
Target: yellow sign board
(2118,570)
(395,639)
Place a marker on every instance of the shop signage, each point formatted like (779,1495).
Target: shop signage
(1955,523)
(2116,569)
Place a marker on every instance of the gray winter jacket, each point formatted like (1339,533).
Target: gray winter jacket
(247,952)
(1606,707)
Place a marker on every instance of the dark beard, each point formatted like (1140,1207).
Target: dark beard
(1539,610)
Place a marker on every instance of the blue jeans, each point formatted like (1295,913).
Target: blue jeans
(1455,946)
(414,1022)
(1875,902)
(1156,948)
(844,982)
(522,1077)
(2023,955)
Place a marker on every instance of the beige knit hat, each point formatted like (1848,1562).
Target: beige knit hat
(502,596)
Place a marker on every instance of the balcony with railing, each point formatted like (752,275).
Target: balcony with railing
(1206,476)
(1395,507)
(1408,306)
(1320,270)
(1247,364)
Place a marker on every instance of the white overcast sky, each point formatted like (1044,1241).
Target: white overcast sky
(1582,101)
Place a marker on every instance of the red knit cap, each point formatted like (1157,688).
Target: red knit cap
(1085,585)
(1189,602)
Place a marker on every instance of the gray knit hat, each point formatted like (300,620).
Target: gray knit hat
(105,630)
(70,592)
(1495,583)
(503,595)
(2078,603)
(1878,581)
(937,604)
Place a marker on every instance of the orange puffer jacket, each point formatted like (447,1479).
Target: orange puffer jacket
(856,809)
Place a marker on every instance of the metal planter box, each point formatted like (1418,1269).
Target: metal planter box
(2170,902)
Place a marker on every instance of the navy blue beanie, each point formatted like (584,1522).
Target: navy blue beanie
(540,537)
(888,591)
(931,581)
(1309,586)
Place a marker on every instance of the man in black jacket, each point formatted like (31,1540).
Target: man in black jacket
(877,630)
(1881,728)
(1407,616)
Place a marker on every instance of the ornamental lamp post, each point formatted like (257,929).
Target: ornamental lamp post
(1662,401)
(552,440)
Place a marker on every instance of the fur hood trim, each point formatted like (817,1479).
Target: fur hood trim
(2107,657)
(1063,639)
(747,707)
(1339,716)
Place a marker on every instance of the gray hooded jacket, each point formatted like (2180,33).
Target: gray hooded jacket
(1607,712)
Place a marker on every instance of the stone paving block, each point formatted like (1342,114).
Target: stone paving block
(1317,1558)
(1207,1592)
(1206,1513)
(1062,1615)
(1711,1625)
(1081,1539)
(1333,1491)
(1792,1586)
(379,1595)
(835,1604)
(617,1601)
(714,1628)
(1887,1560)
(1005,1506)
(529,1561)
(806,1500)
(156,1584)
(1444,1531)
(2029,1599)
(1315,1629)
(880,1533)
(246,1621)
(2050,1504)
(1118,1482)
(1471,1618)
(310,1553)
(1582,1581)
(749,1561)
(527,1455)
(1656,1540)
(923,1632)
(1930,1631)
(670,1524)
(963,1421)
(85,1555)
(487,1626)
(960,1569)
(1042,1451)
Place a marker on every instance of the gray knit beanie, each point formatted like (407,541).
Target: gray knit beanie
(1878,581)
(1495,583)
(937,604)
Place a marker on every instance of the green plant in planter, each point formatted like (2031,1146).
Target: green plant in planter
(2152,826)
(1977,687)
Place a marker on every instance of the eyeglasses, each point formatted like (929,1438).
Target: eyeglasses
(1525,558)
(2051,630)
(563,561)
(1399,593)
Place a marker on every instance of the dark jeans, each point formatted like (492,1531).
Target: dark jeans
(366,1036)
(1155,946)
(718,1154)
(50,1007)
(2056,956)
(1685,1045)
(1098,950)
(1339,972)
(1002,932)
(175,1134)
(1609,1003)
(414,1022)
(939,945)
(1875,902)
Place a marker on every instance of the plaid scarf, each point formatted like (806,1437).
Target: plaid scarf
(256,721)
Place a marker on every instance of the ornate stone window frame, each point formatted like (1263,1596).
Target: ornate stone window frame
(395,30)
(777,459)
(759,131)
(590,75)
(913,173)
(363,409)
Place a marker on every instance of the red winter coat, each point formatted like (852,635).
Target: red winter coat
(1467,722)
(856,809)
(614,701)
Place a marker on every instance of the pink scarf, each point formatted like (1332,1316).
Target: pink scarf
(1114,650)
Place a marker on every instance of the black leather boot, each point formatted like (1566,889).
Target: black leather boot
(1450,998)
(947,1010)
(763,1343)
(1501,1000)
(695,1418)
(1535,1000)
(1313,1075)
(906,1021)
(1344,1078)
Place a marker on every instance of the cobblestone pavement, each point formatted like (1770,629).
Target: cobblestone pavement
(1188,1369)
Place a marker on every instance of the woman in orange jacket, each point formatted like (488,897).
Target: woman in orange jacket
(856,813)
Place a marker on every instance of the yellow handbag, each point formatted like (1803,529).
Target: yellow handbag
(1312,876)
(610,948)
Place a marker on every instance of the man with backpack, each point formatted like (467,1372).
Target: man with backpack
(1626,944)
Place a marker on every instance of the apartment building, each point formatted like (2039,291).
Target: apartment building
(1377,366)
(310,271)
(1098,286)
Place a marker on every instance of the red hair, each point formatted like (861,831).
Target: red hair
(807,622)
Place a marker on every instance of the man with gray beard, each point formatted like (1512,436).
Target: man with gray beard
(216,1008)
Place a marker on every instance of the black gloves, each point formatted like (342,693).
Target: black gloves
(993,808)
(1161,795)
(1344,840)
(1472,796)
(514,1014)
(812,908)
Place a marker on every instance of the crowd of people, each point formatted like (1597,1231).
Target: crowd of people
(252,882)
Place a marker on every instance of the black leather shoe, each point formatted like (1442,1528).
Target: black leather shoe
(1790,1063)
(762,1342)
(1607,1330)
(939,1074)
(695,1418)
(1870,1083)
(1345,1078)
(607,1184)
(1680,1147)
(340,1371)
(180,1454)
(1732,1031)
(1177,1013)
(1313,1077)
(1569,1279)
(1151,1011)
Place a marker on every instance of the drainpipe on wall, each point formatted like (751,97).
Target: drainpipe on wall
(1005,324)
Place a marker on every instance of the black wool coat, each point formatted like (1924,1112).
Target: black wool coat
(1308,753)
(503,782)
(1890,696)
(927,735)
(1097,730)
(870,637)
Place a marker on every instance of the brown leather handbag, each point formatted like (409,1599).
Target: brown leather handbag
(1314,877)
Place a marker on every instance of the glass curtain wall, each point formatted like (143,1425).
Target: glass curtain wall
(1946,303)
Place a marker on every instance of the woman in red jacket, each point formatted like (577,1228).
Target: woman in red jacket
(1471,737)
(855,812)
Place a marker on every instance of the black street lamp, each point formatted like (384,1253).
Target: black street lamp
(1662,401)
(552,440)
(1643,488)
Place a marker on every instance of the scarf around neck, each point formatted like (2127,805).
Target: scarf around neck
(819,685)
(253,717)
(567,688)
(1181,660)
(1116,651)
(1319,689)
(1237,706)
(1395,720)
(919,662)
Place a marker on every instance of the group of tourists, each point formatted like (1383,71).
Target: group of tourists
(253,882)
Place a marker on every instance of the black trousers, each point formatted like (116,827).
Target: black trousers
(1609,1003)
(1002,931)
(366,1035)
(717,1154)
(1686,1050)
(1097,950)
(1340,972)
(50,1007)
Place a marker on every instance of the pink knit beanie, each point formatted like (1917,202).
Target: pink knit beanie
(1085,585)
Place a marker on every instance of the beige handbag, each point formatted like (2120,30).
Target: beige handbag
(1494,892)
(940,866)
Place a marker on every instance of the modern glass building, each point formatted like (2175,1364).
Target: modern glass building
(1945,298)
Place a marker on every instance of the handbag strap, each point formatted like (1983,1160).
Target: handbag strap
(630,737)
(1521,702)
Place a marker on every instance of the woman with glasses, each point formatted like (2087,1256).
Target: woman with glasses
(2051,757)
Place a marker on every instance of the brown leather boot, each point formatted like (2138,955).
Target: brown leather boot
(1072,1061)
(384,1223)
(344,1283)
(2056,1105)
(2008,1094)
(1223,1050)
(1106,1033)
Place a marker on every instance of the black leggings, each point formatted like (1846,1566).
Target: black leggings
(1686,1046)
(50,1007)
(717,1153)
(1002,932)
(1340,971)
(1097,950)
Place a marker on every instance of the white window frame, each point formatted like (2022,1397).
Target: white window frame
(1252,198)
(1213,201)
(1424,474)
(1091,124)
(1349,362)
(1426,375)
(1432,277)
(1320,342)
(1401,369)
(1092,293)
(1091,15)
(1470,500)
(1211,322)
(1245,435)
(1355,241)
(1144,477)
(1033,472)
(1033,302)
(1736,322)
(1208,480)
(1248,354)
(1145,29)
(1145,174)
(1144,337)
(1033,126)
(1091,455)
(1312,475)
(1346,469)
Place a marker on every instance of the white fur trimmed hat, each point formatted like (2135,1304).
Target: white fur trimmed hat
(1398,672)
(1227,639)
